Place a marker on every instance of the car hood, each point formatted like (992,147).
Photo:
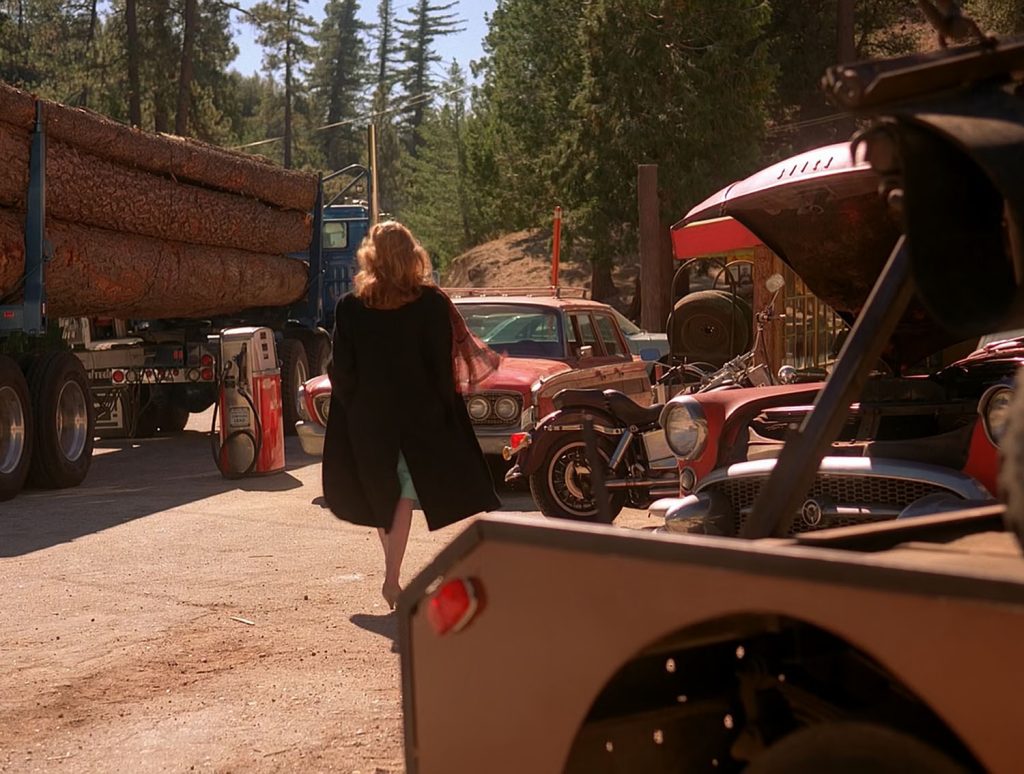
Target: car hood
(821,213)
(519,373)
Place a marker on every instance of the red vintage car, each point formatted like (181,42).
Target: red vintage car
(921,435)
(549,339)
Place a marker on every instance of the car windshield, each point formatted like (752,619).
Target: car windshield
(515,330)
(628,326)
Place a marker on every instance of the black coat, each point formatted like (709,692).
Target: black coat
(393,388)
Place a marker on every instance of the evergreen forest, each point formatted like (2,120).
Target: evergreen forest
(569,96)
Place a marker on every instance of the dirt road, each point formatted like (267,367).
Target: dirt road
(161,618)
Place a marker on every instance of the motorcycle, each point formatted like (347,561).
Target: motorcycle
(638,465)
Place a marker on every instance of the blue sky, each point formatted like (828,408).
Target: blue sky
(464,47)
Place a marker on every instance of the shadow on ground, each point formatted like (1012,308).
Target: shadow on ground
(130,479)
(385,625)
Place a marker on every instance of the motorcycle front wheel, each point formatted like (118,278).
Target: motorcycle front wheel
(561,486)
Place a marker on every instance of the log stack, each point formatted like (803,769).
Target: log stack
(147,225)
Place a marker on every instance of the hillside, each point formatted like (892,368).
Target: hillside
(523,259)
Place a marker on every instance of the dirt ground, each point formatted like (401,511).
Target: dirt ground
(161,618)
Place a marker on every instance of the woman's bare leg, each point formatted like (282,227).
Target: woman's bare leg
(394,551)
(383,542)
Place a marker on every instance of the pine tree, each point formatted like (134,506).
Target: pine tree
(427,23)
(679,83)
(440,210)
(532,70)
(385,56)
(339,80)
(284,31)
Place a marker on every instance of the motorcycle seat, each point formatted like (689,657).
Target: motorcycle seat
(616,403)
(631,412)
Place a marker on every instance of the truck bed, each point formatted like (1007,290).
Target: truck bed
(565,607)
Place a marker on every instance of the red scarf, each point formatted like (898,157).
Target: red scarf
(472,360)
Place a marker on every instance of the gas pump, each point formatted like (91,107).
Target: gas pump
(249,440)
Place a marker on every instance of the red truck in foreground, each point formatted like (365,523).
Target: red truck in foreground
(539,647)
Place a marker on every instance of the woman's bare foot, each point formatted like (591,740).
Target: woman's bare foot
(390,593)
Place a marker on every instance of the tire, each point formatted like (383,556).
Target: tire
(16,429)
(173,417)
(294,372)
(852,748)
(1011,473)
(707,325)
(561,491)
(318,353)
(65,421)
(147,412)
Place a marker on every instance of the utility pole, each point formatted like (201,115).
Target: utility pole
(655,253)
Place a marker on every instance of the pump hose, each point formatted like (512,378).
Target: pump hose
(255,439)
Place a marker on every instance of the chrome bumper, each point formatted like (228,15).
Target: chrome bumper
(858,495)
(311,437)
(493,439)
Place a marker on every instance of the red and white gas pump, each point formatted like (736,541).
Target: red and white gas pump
(249,440)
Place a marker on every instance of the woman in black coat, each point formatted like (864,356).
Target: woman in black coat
(398,433)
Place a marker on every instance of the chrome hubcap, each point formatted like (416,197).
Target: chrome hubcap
(72,421)
(12,430)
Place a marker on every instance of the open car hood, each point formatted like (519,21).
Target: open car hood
(821,213)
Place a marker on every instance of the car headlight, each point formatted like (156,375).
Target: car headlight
(685,426)
(995,411)
(506,409)
(322,404)
(479,408)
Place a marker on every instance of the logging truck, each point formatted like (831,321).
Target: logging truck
(108,316)
(885,647)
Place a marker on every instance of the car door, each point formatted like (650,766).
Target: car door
(611,366)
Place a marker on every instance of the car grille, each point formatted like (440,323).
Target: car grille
(895,493)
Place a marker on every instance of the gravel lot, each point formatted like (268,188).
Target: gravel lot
(161,618)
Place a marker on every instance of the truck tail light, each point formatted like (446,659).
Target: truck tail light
(455,604)
(206,361)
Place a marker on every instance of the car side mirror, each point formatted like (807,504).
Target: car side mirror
(586,351)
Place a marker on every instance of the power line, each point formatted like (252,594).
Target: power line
(410,102)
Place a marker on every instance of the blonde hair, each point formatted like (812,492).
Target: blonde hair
(394,267)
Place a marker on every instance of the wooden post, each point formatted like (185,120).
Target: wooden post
(556,246)
(655,253)
(846,42)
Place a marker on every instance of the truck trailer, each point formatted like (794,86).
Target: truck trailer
(65,380)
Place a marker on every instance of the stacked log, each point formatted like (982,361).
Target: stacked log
(148,225)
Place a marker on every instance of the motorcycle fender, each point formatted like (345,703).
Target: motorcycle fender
(552,427)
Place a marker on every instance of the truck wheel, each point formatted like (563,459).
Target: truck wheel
(852,748)
(561,485)
(147,411)
(318,353)
(1011,472)
(294,372)
(707,325)
(15,429)
(173,417)
(65,421)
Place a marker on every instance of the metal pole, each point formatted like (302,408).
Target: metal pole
(35,233)
(372,158)
(556,247)
(797,466)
